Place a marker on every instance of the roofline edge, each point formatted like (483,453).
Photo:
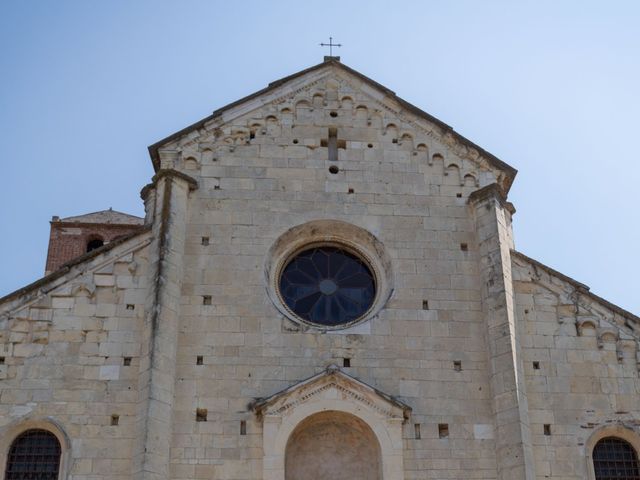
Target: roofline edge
(584,289)
(495,161)
(66,267)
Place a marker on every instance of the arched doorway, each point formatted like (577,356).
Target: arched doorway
(289,416)
(333,445)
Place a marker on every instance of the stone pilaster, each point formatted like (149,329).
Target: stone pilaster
(169,192)
(513,439)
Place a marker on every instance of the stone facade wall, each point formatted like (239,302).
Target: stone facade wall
(477,362)
(268,172)
(70,357)
(581,369)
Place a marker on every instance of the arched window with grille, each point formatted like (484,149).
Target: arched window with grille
(615,459)
(34,455)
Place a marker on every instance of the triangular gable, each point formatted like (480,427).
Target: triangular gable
(594,310)
(74,268)
(376,89)
(105,217)
(330,383)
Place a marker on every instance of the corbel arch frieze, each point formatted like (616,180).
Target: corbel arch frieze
(588,313)
(89,288)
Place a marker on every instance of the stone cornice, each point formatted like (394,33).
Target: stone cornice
(491,191)
(168,172)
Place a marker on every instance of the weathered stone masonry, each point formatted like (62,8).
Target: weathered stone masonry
(170,353)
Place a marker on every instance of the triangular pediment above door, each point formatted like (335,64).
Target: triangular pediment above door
(331,384)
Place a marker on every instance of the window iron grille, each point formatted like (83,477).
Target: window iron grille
(615,459)
(34,455)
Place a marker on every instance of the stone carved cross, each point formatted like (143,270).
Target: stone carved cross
(333,144)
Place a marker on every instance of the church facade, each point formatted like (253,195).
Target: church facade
(325,286)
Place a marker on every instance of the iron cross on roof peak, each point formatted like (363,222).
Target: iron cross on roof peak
(331,45)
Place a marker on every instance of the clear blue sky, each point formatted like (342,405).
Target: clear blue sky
(550,87)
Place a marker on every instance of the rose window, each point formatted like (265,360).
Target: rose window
(327,285)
